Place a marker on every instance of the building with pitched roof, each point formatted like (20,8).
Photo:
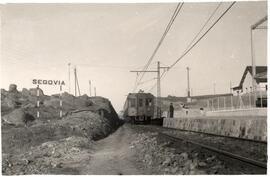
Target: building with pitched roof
(245,84)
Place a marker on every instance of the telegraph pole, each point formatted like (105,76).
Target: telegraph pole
(78,84)
(158,103)
(75,81)
(89,87)
(188,86)
(158,87)
(69,78)
(214,88)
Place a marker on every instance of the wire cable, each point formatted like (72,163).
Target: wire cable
(186,52)
(202,28)
(176,12)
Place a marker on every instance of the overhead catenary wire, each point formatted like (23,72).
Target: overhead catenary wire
(176,12)
(203,27)
(194,44)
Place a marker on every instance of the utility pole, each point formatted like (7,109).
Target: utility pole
(78,84)
(158,80)
(254,27)
(158,103)
(95,92)
(89,87)
(69,78)
(75,81)
(230,86)
(214,88)
(188,86)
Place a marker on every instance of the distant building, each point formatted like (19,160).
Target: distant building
(246,81)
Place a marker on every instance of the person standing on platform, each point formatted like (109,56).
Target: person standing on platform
(171,110)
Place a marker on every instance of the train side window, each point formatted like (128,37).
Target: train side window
(132,102)
(140,102)
(148,102)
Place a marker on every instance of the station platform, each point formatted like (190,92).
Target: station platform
(248,127)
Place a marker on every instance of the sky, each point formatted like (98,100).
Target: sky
(106,41)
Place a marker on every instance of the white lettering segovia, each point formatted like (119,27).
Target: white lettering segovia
(48,82)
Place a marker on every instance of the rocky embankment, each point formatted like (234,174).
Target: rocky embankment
(50,144)
(161,157)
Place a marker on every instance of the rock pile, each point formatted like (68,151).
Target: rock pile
(26,136)
(13,88)
(47,157)
(165,160)
(18,118)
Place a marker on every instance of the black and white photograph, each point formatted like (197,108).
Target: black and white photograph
(134,88)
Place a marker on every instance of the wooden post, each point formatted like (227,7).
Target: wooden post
(61,104)
(37,101)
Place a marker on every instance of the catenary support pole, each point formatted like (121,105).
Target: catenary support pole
(90,94)
(188,86)
(158,90)
(75,81)
(158,102)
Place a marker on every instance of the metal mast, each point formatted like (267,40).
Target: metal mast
(188,87)
(76,82)
(69,78)
(158,102)
(254,27)
(75,90)
(89,87)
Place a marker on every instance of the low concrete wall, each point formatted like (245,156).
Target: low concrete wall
(239,112)
(249,128)
(185,113)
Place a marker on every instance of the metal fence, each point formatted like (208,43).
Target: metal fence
(241,101)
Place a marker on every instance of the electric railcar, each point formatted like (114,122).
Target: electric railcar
(139,108)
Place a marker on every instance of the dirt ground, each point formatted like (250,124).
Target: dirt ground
(113,156)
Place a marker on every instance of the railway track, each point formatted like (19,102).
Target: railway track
(228,154)
(224,146)
(208,134)
(215,135)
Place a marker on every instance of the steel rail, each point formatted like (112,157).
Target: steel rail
(212,134)
(228,154)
